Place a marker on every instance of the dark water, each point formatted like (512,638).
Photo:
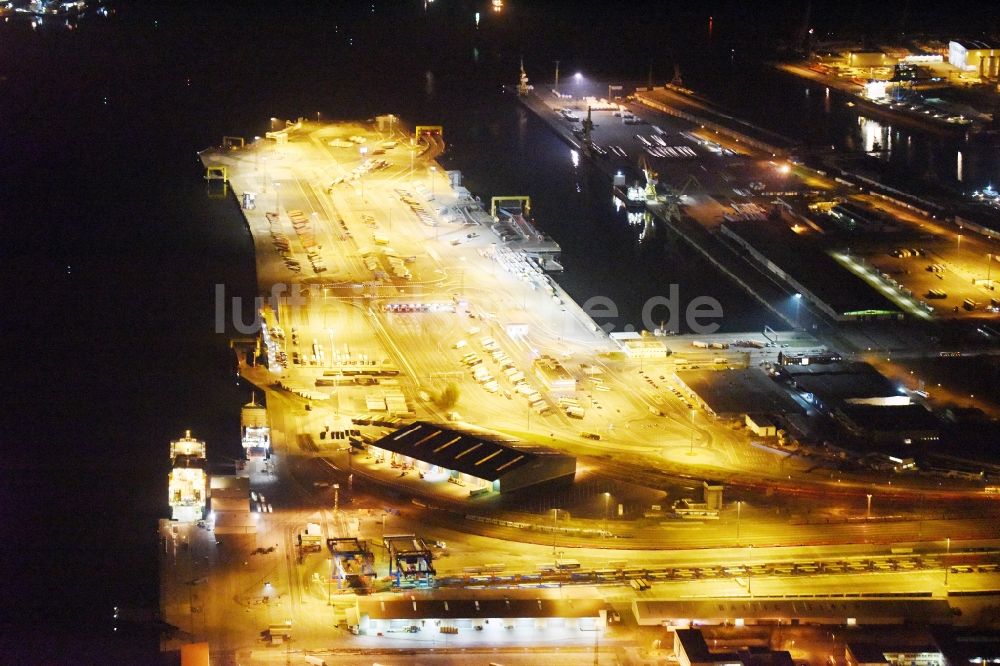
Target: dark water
(960,162)
(112,246)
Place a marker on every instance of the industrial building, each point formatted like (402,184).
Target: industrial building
(858,653)
(761,425)
(188,480)
(941,646)
(692,650)
(976,57)
(836,611)
(808,270)
(230,504)
(732,394)
(472,460)
(863,402)
(636,345)
(965,647)
(869,59)
(830,385)
(553,375)
(896,424)
(372,616)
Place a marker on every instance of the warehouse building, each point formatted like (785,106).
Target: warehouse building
(837,611)
(494,618)
(733,394)
(553,374)
(482,464)
(801,263)
(692,650)
(973,56)
(831,385)
(230,504)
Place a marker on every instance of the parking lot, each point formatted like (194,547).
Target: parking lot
(934,270)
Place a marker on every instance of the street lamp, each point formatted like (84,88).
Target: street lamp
(691,449)
(330,333)
(555,517)
(989,265)
(277,198)
(607,500)
(739,507)
(798,303)
(868,513)
(947,552)
(749,566)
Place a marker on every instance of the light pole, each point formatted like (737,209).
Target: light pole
(868,513)
(433,171)
(989,266)
(329,581)
(691,449)
(947,552)
(330,332)
(336,498)
(798,303)
(739,506)
(749,566)
(556,86)
(555,517)
(607,500)
(363,151)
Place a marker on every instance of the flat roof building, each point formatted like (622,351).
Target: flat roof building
(809,270)
(732,394)
(473,460)
(504,615)
(967,647)
(692,650)
(553,375)
(975,56)
(830,385)
(894,424)
(230,505)
(858,653)
(640,346)
(816,610)
(761,425)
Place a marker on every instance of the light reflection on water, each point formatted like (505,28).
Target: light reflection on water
(876,137)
